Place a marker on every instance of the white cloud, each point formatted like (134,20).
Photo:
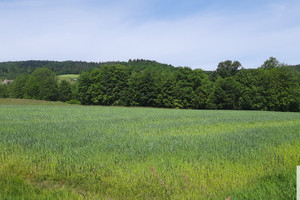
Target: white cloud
(118,31)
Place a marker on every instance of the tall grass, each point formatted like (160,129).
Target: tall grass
(77,152)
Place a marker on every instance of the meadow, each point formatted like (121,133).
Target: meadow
(68,77)
(60,151)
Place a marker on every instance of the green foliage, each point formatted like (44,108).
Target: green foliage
(140,65)
(64,91)
(166,96)
(226,93)
(3,91)
(84,91)
(138,153)
(252,90)
(271,63)
(274,89)
(274,86)
(189,89)
(142,89)
(295,67)
(17,87)
(42,85)
(279,89)
(228,68)
(10,70)
(108,85)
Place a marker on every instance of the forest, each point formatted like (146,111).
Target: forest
(10,70)
(273,86)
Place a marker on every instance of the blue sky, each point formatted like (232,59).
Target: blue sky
(194,33)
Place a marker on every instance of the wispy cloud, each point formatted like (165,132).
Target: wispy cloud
(199,36)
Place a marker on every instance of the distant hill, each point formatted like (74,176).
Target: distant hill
(297,67)
(140,65)
(10,70)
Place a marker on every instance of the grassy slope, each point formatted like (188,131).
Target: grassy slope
(67,77)
(66,152)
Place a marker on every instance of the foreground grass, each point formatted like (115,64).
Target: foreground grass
(77,152)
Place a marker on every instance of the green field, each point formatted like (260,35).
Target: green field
(88,152)
(68,77)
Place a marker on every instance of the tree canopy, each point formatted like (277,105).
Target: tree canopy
(42,85)
(274,86)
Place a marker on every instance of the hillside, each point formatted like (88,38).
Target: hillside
(10,70)
(297,67)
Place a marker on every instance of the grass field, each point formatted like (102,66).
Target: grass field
(86,152)
(68,77)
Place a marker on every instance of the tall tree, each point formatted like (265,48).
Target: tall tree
(84,88)
(226,93)
(143,88)
(109,84)
(17,87)
(252,89)
(271,63)
(3,91)
(282,89)
(190,88)
(166,96)
(42,84)
(228,68)
(64,91)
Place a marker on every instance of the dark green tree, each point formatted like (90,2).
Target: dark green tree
(271,63)
(65,91)
(191,88)
(202,88)
(282,89)
(109,85)
(184,88)
(228,68)
(166,96)
(252,89)
(3,91)
(226,93)
(42,85)
(84,88)
(17,87)
(143,88)
(274,89)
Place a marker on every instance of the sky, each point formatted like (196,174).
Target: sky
(193,33)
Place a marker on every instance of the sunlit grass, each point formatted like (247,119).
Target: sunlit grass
(77,152)
(68,77)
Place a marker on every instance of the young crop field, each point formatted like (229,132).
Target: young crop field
(89,152)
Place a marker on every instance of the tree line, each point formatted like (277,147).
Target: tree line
(10,70)
(273,87)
